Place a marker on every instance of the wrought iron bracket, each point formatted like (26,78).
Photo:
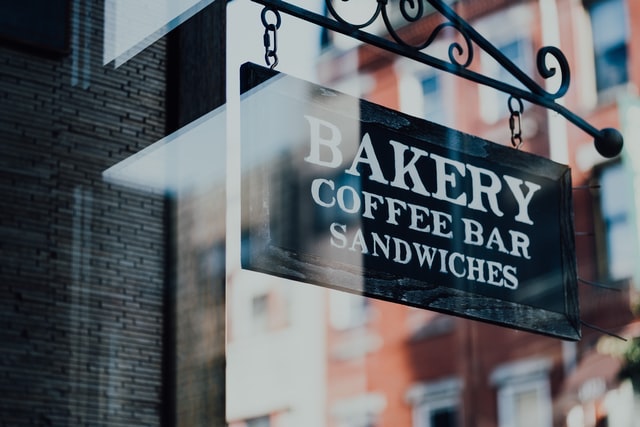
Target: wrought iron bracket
(608,142)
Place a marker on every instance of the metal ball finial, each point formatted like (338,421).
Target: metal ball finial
(609,142)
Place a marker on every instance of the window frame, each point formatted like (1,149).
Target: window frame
(602,221)
(428,397)
(411,76)
(348,311)
(515,378)
(602,92)
(25,41)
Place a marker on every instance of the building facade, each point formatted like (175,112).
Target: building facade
(92,288)
(428,369)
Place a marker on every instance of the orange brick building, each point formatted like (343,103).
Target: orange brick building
(389,365)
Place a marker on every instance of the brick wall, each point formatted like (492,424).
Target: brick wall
(82,261)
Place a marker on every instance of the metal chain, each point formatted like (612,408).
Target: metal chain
(270,49)
(515,121)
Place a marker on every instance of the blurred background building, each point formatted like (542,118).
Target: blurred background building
(388,365)
(122,297)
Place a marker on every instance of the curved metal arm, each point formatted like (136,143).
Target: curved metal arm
(608,141)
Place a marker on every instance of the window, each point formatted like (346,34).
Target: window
(434,85)
(270,309)
(348,310)
(260,312)
(434,416)
(436,404)
(615,208)
(444,417)
(494,103)
(609,29)
(39,24)
(433,99)
(359,411)
(524,396)
(259,422)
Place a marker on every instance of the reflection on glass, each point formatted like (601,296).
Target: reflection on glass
(131,26)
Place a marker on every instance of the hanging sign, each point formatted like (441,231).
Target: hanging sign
(343,193)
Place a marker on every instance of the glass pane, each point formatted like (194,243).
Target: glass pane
(616,212)
(527,409)
(603,13)
(610,42)
(124,226)
(445,417)
(43,25)
(132,26)
(434,109)
(611,67)
(259,422)
(113,241)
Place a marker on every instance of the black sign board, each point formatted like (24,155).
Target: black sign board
(343,193)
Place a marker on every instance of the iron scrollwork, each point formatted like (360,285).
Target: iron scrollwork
(461,53)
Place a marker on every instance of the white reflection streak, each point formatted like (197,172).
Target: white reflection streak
(75,41)
(292,359)
(79,310)
(81,27)
(86,46)
(185,160)
(130,26)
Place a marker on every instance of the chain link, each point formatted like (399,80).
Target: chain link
(515,121)
(270,34)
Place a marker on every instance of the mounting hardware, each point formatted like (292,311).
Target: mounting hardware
(270,33)
(608,141)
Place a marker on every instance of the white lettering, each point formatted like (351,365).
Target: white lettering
(394,211)
(379,244)
(452,265)
(315,192)
(399,246)
(515,185)
(445,180)
(478,189)
(475,266)
(519,244)
(443,259)
(494,272)
(400,251)
(317,141)
(440,222)
(510,278)
(425,252)
(358,240)
(472,232)
(496,239)
(355,199)
(338,238)
(401,169)
(417,216)
(370,159)
(370,204)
